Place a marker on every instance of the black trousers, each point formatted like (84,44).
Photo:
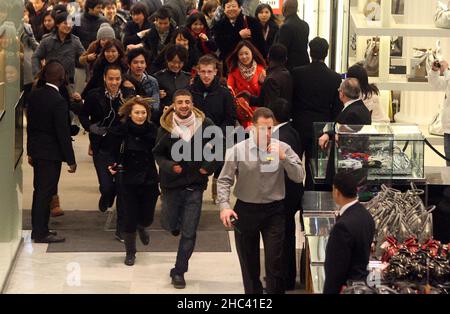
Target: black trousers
(307,149)
(45,182)
(137,205)
(107,185)
(105,179)
(269,221)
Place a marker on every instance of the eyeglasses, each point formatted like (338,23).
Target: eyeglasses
(231,6)
(209,73)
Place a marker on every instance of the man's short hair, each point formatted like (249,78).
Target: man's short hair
(351,88)
(346,182)
(207,60)
(133,53)
(281,110)
(107,3)
(278,54)
(181,92)
(262,112)
(177,51)
(139,8)
(162,14)
(90,4)
(318,48)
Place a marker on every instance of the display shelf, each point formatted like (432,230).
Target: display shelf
(364,27)
(399,82)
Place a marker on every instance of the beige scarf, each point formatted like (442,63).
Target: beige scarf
(185,128)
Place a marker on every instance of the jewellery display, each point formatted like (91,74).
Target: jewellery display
(400,215)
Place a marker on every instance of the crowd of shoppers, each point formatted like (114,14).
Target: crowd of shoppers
(158,75)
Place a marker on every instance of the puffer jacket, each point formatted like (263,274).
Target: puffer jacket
(190,177)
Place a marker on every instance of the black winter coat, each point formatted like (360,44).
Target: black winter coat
(273,32)
(294,35)
(87,30)
(215,101)
(227,36)
(294,191)
(48,127)
(152,41)
(130,36)
(171,82)
(98,109)
(190,177)
(137,157)
(278,84)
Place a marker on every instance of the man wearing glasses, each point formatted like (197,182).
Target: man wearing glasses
(258,164)
(215,100)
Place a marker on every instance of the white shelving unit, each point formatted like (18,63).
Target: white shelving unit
(363,27)
(420,101)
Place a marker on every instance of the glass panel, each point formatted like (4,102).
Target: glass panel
(320,161)
(11,25)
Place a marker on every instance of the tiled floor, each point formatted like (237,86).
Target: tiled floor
(39,272)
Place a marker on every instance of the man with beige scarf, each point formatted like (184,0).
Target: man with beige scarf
(183,178)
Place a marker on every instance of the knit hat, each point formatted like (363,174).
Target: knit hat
(106,32)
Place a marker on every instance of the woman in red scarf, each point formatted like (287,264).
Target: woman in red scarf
(198,27)
(247,73)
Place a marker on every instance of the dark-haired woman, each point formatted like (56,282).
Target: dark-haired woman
(133,166)
(199,29)
(369,93)
(172,78)
(111,53)
(264,15)
(47,26)
(247,72)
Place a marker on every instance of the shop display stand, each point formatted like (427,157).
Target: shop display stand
(415,108)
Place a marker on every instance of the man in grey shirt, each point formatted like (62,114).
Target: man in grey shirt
(259,164)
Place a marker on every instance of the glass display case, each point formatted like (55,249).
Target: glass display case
(379,152)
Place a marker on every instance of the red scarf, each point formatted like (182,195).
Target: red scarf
(205,48)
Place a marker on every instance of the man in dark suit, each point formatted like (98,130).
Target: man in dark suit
(277,84)
(315,99)
(355,113)
(349,244)
(285,132)
(294,35)
(49,144)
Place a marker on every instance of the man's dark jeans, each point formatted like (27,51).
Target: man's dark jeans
(181,209)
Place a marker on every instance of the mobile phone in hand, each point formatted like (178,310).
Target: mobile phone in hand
(235,223)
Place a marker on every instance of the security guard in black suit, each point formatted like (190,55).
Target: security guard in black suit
(349,245)
(49,144)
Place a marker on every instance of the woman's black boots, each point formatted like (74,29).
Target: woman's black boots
(143,235)
(130,247)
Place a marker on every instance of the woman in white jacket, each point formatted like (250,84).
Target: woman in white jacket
(439,77)
(369,93)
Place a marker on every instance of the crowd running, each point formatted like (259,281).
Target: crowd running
(146,79)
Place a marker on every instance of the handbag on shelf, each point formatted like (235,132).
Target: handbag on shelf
(442,16)
(397,47)
(372,57)
(436,127)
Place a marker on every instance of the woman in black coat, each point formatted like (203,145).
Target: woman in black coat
(264,15)
(234,26)
(134,168)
